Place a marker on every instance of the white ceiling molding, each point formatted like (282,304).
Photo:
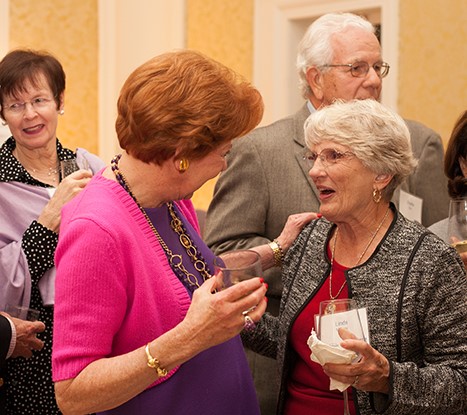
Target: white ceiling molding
(278,27)
(4,27)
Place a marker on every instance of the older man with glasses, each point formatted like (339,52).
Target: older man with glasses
(267,176)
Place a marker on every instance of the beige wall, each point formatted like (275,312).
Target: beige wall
(68,29)
(433,62)
(223,30)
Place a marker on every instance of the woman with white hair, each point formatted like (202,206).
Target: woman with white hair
(412,284)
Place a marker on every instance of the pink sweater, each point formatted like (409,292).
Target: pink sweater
(114,288)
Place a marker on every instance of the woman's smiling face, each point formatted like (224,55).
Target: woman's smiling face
(35,126)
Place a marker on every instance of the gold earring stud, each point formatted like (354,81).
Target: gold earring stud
(183,166)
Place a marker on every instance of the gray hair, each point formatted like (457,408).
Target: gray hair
(377,136)
(315,47)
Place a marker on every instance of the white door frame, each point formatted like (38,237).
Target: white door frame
(4,48)
(130,33)
(278,27)
(4,27)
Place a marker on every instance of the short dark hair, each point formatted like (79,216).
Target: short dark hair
(457,147)
(22,65)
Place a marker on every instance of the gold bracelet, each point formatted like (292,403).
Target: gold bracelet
(153,363)
(277,252)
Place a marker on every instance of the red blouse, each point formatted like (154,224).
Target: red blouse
(308,385)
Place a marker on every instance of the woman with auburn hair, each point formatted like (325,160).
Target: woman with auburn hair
(140,325)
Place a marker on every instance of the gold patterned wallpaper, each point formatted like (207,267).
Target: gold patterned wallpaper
(432,60)
(222,30)
(67,29)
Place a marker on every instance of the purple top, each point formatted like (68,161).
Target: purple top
(225,385)
(215,382)
(160,217)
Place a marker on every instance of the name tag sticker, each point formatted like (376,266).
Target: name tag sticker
(349,319)
(410,206)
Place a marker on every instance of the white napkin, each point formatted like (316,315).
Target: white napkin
(324,353)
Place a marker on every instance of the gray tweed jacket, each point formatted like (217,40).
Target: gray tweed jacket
(415,289)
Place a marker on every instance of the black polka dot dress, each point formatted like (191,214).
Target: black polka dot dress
(28,382)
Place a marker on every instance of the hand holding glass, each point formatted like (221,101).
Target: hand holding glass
(238,266)
(24,313)
(457,225)
(71,165)
(334,315)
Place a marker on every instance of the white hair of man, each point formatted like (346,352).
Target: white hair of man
(315,47)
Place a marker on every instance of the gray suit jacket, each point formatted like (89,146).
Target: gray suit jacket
(267,180)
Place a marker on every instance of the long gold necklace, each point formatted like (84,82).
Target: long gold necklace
(175,260)
(333,297)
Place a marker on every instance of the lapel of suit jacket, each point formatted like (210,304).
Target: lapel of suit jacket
(300,149)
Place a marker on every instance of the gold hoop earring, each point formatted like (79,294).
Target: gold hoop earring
(376,195)
(183,166)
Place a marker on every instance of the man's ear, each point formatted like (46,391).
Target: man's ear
(315,81)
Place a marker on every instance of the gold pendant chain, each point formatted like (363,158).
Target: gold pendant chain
(51,173)
(333,297)
(191,250)
(175,260)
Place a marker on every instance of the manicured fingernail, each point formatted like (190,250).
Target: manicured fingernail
(261,279)
(266,299)
(266,285)
(319,215)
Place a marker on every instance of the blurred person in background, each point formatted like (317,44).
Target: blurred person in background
(455,169)
(32,194)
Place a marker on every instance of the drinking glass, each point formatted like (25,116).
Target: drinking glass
(238,266)
(336,314)
(71,165)
(457,224)
(24,313)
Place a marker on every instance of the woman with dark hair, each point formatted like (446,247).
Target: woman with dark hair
(455,169)
(32,193)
